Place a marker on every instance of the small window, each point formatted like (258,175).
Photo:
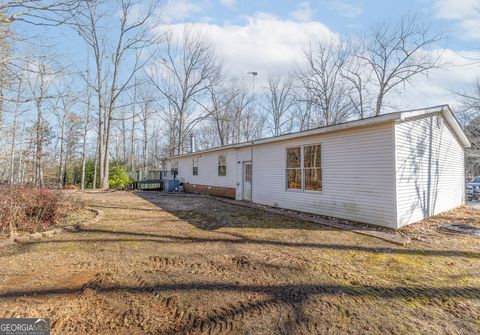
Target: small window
(248,172)
(294,172)
(222,165)
(195,166)
(174,168)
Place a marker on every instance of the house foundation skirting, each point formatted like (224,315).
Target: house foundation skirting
(226,192)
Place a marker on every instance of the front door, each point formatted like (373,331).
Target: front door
(247,181)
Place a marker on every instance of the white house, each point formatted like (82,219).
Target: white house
(390,170)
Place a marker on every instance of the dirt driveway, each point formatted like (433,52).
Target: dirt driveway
(182,265)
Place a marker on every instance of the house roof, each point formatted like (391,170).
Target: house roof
(374,120)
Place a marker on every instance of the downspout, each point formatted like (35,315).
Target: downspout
(251,163)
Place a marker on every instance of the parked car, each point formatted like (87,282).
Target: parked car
(473,189)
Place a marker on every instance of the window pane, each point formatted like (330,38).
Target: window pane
(248,172)
(313,179)
(311,156)
(195,166)
(222,165)
(293,157)
(294,179)
(174,168)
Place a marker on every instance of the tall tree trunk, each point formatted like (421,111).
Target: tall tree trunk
(12,148)
(106,158)
(21,167)
(84,144)
(145,141)
(95,169)
(124,140)
(378,106)
(61,158)
(38,181)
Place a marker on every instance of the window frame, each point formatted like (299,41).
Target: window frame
(218,165)
(248,172)
(174,170)
(195,166)
(299,168)
(302,167)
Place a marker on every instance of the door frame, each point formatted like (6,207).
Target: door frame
(243,179)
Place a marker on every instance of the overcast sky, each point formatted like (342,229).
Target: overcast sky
(267,36)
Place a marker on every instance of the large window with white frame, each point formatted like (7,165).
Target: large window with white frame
(304,168)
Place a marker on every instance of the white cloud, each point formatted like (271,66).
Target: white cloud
(346,7)
(178,10)
(448,9)
(228,3)
(439,87)
(466,12)
(264,43)
(272,46)
(303,13)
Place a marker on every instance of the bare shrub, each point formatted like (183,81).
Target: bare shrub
(33,209)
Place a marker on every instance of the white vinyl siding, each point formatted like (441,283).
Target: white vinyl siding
(208,169)
(389,174)
(430,169)
(357,176)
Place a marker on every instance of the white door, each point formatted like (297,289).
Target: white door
(247,181)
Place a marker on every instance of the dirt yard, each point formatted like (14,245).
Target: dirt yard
(188,265)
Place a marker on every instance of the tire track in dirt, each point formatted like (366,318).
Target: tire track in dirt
(222,320)
(183,320)
(232,266)
(162,263)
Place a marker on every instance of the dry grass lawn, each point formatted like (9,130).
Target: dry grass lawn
(187,265)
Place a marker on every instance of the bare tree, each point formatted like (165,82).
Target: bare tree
(86,124)
(113,78)
(279,104)
(37,12)
(133,128)
(469,116)
(17,112)
(5,59)
(39,88)
(360,79)
(221,116)
(183,75)
(67,127)
(396,53)
(327,90)
(146,112)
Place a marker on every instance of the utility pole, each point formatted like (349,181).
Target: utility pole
(254,75)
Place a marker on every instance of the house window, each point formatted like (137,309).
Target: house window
(294,171)
(304,168)
(248,172)
(222,165)
(195,166)
(312,167)
(174,168)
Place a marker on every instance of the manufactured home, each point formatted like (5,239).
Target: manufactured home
(390,170)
